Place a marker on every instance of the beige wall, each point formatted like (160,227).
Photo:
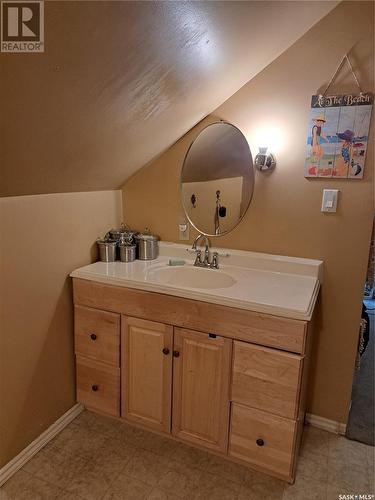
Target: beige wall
(43,238)
(284,217)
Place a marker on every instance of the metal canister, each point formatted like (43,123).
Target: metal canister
(107,250)
(127,252)
(148,247)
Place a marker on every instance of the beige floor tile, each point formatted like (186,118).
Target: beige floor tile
(314,466)
(370,451)
(74,441)
(193,473)
(345,449)
(158,494)
(97,423)
(215,487)
(56,468)
(132,435)
(371,468)
(114,453)
(157,444)
(192,457)
(35,462)
(146,467)
(371,455)
(63,439)
(351,479)
(94,479)
(305,488)
(261,486)
(179,480)
(348,464)
(68,495)
(314,441)
(127,488)
(15,486)
(371,481)
(260,492)
(93,459)
(35,489)
(226,468)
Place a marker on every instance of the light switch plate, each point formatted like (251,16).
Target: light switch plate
(329,200)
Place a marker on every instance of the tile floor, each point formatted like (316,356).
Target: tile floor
(99,458)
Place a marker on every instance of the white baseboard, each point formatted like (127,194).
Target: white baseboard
(325,424)
(25,455)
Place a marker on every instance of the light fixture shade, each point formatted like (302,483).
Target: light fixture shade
(264,161)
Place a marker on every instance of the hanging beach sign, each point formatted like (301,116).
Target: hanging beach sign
(337,133)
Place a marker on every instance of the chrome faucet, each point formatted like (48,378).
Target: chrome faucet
(206,261)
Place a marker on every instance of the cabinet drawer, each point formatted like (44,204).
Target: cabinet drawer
(262,439)
(97,335)
(266,379)
(98,386)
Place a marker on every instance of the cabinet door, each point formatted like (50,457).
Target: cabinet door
(146,371)
(201,368)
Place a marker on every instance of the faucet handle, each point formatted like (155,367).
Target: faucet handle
(215,263)
(206,257)
(198,260)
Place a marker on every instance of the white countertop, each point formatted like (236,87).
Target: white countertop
(272,284)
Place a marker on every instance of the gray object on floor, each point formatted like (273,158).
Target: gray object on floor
(361,417)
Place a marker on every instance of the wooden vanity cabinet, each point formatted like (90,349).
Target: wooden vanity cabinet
(227,380)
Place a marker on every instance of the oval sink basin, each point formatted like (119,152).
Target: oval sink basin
(191,277)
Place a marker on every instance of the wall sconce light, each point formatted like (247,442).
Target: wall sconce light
(265,161)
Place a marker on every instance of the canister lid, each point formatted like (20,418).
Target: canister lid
(120,230)
(146,236)
(106,242)
(127,245)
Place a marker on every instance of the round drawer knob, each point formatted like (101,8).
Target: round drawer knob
(176,354)
(260,442)
(93,336)
(94,387)
(165,350)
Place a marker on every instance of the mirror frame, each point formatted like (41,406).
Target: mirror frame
(251,166)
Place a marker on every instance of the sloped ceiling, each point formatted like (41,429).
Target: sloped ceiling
(119,82)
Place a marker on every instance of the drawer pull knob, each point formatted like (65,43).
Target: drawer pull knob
(94,387)
(176,354)
(165,350)
(260,442)
(93,336)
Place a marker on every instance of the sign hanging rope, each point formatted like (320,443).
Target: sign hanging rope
(345,58)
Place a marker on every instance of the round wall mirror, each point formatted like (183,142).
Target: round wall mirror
(217,179)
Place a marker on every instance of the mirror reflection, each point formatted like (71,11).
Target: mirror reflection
(217,179)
